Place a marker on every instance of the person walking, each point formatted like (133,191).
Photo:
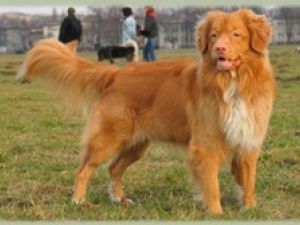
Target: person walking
(150,32)
(70,30)
(128,26)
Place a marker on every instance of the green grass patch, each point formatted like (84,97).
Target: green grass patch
(39,148)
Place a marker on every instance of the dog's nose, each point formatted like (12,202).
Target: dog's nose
(221,48)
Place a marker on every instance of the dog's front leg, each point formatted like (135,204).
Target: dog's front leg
(204,164)
(244,169)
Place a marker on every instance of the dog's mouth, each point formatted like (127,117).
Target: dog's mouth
(224,63)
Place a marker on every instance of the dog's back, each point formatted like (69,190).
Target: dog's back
(120,51)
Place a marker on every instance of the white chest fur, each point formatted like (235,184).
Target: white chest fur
(239,123)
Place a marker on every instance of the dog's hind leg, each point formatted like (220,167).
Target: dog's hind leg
(118,167)
(97,151)
(111,60)
(106,137)
(110,55)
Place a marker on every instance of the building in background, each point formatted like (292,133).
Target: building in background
(14,38)
(102,26)
(279,34)
(51,30)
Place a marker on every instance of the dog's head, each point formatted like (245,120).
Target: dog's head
(227,37)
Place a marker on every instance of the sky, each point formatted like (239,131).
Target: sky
(41,9)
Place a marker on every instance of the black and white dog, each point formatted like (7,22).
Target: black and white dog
(129,51)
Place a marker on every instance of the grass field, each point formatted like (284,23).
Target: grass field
(39,148)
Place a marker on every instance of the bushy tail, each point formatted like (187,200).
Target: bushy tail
(73,45)
(136,49)
(76,81)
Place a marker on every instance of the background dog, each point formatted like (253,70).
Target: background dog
(129,51)
(218,107)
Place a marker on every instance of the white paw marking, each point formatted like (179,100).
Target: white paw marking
(77,202)
(111,193)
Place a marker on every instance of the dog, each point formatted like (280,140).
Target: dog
(73,45)
(298,49)
(128,51)
(218,107)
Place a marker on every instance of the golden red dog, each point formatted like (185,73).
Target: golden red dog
(219,106)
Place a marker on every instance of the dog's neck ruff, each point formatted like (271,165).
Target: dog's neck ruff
(239,123)
(233,74)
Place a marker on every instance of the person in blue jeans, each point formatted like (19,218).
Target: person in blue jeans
(149,49)
(150,32)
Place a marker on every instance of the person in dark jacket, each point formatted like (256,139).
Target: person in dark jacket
(70,30)
(150,31)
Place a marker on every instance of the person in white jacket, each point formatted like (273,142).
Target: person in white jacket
(128,26)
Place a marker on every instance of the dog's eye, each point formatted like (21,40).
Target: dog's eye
(213,35)
(236,34)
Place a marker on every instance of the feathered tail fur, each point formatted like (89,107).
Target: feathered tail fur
(76,81)
(136,49)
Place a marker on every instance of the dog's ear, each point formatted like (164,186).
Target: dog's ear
(202,31)
(259,28)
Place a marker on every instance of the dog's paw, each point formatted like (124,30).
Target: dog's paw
(77,201)
(112,195)
(250,203)
(127,201)
(124,200)
(216,211)
(114,198)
